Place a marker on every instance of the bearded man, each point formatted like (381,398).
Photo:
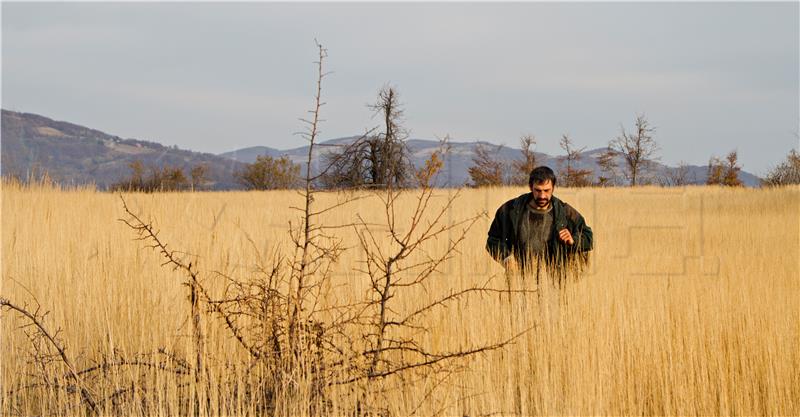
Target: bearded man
(537,228)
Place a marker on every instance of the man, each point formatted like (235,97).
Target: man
(537,227)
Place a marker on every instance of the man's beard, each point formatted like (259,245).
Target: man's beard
(543,202)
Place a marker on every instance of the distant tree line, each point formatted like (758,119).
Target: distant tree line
(162,178)
(380,158)
(629,159)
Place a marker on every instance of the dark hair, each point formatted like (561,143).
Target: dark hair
(542,174)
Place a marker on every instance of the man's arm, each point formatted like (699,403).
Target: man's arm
(498,243)
(581,233)
(585,239)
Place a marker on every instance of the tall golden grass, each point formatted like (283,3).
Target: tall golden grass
(689,305)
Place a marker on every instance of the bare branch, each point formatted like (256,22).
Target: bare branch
(86,395)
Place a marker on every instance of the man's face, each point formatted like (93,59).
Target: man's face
(542,192)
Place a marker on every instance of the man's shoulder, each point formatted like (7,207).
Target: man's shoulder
(571,212)
(517,201)
(509,207)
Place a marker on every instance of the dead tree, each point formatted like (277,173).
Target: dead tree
(199,174)
(572,176)
(389,165)
(638,150)
(678,176)
(609,170)
(785,173)
(374,160)
(487,169)
(522,168)
(347,167)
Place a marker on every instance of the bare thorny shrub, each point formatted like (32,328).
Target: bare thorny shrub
(298,348)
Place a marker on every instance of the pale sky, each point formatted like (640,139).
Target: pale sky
(214,77)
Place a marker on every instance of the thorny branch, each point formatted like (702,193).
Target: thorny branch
(35,319)
(147,232)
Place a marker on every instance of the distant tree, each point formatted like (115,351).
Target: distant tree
(724,171)
(374,160)
(136,180)
(268,173)
(388,155)
(426,175)
(678,176)
(638,150)
(787,172)
(732,169)
(199,176)
(347,166)
(569,173)
(522,168)
(487,168)
(609,174)
(170,178)
(715,171)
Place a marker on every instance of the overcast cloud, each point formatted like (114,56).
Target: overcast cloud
(213,77)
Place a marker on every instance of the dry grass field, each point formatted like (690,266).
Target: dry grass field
(690,304)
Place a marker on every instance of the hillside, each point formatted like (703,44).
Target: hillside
(73,154)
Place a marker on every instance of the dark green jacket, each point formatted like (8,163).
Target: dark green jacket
(503,240)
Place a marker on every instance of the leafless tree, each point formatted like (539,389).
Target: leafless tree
(609,170)
(522,168)
(678,176)
(785,173)
(375,161)
(571,175)
(638,150)
(389,165)
(487,169)
(199,174)
(347,167)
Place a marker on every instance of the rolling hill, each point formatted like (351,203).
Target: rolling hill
(77,155)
